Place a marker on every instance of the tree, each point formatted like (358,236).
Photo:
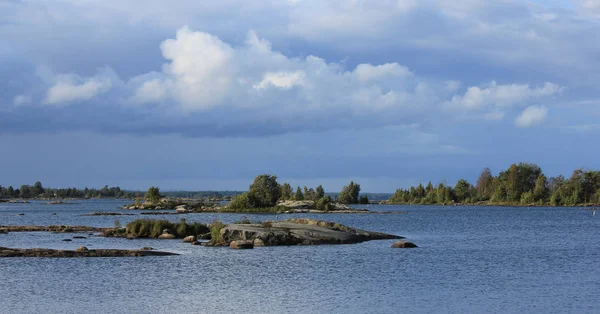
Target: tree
(287,193)
(299,196)
(264,191)
(37,189)
(25,191)
(462,190)
(323,203)
(363,200)
(10,191)
(152,195)
(320,192)
(349,194)
(485,184)
(540,191)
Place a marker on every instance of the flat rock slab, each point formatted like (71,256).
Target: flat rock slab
(66,229)
(299,232)
(10,252)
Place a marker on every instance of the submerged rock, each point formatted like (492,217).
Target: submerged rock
(403,245)
(79,237)
(67,240)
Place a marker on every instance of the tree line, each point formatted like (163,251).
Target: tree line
(522,183)
(266,192)
(37,190)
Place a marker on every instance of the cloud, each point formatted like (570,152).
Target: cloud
(205,74)
(531,116)
(69,88)
(499,96)
(21,100)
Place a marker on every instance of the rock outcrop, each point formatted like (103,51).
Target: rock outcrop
(404,245)
(167,236)
(297,232)
(189,239)
(66,229)
(80,252)
(241,245)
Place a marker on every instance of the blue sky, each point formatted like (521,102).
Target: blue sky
(205,95)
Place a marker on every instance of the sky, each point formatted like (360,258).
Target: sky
(205,95)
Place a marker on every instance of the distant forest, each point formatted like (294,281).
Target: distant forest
(37,190)
(520,184)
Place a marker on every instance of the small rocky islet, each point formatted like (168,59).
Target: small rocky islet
(241,235)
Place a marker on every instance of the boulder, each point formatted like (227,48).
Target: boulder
(82,249)
(241,245)
(3,231)
(403,245)
(189,239)
(258,242)
(146,248)
(166,236)
(196,243)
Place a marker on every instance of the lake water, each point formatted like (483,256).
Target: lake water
(469,260)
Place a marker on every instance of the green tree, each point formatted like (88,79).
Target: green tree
(363,200)
(320,192)
(324,203)
(299,196)
(25,191)
(37,189)
(462,190)
(485,184)
(540,191)
(287,193)
(152,195)
(349,194)
(264,191)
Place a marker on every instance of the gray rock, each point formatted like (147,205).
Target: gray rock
(403,245)
(82,249)
(299,231)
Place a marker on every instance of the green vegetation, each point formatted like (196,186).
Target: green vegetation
(153,195)
(37,190)
(349,194)
(150,228)
(215,231)
(520,184)
(265,193)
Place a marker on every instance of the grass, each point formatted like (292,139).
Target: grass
(215,231)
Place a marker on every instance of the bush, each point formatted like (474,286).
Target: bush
(215,231)
(324,203)
(364,200)
(240,202)
(150,228)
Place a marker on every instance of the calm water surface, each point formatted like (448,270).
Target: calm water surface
(470,260)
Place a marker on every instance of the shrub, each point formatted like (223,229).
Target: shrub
(150,228)
(324,203)
(215,231)
(240,202)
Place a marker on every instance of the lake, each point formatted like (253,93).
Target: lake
(469,260)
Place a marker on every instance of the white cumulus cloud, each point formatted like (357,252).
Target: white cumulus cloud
(69,88)
(531,116)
